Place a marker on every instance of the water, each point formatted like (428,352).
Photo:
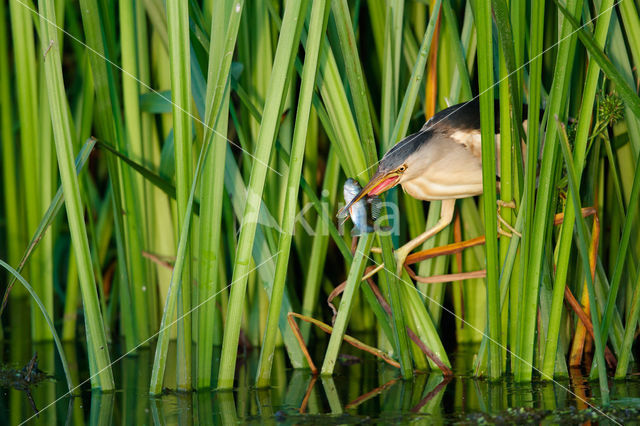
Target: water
(362,391)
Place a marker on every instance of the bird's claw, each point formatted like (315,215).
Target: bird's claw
(512,205)
(400,255)
(511,229)
(509,204)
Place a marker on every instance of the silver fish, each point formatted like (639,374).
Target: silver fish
(364,212)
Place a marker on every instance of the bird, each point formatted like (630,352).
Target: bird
(442,161)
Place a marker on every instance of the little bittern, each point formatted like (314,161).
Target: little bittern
(443,161)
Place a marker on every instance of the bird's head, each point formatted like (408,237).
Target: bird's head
(397,165)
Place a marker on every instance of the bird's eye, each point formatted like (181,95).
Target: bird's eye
(402,168)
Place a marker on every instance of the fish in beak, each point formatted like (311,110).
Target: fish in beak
(379,183)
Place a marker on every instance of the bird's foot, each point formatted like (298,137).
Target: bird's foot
(508,204)
(502,222)
(401,254)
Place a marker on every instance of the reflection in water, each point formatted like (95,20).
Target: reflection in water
(359,392)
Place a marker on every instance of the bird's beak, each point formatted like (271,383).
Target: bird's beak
(379,183)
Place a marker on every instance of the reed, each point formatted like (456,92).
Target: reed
(570,212)
(289,37)
(221,46)
(485,78)
(14,234)
(100,364)
(317,25)
(35,157)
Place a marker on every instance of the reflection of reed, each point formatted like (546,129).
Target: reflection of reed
(305,400)
(429,396)
(332,395)
(135,374)
(226,406)
(580,386)
(372,393)
(357,394)
(45,392)
(102,404)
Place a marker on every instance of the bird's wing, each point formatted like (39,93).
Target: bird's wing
(460,123)
(470,139)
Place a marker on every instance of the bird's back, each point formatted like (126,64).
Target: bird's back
(465,116)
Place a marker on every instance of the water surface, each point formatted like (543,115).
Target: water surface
(363,391)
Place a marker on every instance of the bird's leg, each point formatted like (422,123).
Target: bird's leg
(446,216)
(506,224)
